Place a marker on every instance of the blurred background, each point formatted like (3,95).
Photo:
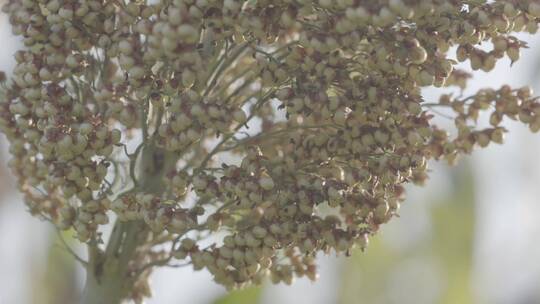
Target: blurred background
(471,235)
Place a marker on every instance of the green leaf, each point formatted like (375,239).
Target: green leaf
(57,284)
(250,295)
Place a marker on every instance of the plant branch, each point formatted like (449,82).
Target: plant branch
(70,250)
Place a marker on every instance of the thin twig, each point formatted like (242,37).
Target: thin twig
(223,66)
(217,148)
(70,250)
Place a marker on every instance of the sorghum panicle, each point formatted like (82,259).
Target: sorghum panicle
(330,91)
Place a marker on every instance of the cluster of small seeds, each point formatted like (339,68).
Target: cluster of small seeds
(314,106)
(159,215)
(518,104)
(190,119)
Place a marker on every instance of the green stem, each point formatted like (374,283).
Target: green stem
(105,281)
(109,277)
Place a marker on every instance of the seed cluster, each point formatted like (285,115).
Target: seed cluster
(316,105)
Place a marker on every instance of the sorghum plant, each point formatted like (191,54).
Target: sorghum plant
(243,137)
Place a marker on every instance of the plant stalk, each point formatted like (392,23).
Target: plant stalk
(109,279)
